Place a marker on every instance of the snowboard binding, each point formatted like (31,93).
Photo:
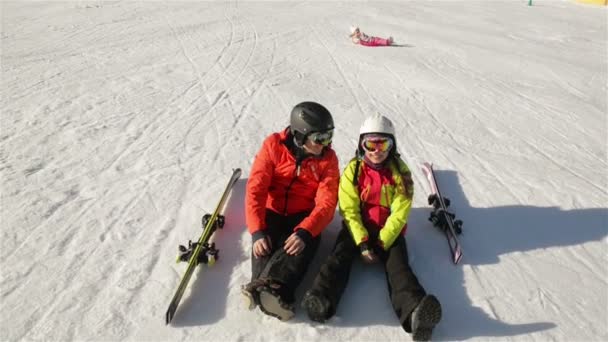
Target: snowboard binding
(440,216)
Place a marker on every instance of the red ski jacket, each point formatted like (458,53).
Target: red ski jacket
(276,183)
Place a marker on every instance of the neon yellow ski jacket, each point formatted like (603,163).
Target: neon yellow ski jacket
(382,200)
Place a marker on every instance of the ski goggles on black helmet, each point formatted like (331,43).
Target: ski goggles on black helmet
(321,138)
(375,143)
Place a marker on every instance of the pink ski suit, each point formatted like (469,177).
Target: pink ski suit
(366,40)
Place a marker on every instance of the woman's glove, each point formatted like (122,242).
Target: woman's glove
(367,254)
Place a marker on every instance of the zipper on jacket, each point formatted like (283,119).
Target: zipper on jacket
(296,174)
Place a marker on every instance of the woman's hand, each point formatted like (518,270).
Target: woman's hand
(369,257)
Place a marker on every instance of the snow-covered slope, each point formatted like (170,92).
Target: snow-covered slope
(121,121)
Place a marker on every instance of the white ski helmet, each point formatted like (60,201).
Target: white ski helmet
(377,123)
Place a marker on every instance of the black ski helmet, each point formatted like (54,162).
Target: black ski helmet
(308,117)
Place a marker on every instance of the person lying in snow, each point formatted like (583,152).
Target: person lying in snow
(375,198)
(359,37)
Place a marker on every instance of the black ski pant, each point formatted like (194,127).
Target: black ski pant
(403,287)
(288,270)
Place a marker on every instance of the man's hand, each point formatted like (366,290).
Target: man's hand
(294,245)
(262,247)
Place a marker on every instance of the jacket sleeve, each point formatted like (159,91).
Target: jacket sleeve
(257,187)
(400,206)
(326,199)
(350,204)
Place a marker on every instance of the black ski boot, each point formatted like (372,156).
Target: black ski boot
(424,318)
(272,302)
(317,306)
(251,292)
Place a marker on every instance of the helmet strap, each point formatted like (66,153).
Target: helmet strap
(299,144)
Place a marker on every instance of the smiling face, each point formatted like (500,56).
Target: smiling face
(376,157)
(376,147)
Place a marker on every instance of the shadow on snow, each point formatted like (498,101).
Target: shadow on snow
(488,234)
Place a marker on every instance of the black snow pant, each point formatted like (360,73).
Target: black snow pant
(278,266)
(404,289)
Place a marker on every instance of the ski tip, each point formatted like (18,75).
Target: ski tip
(427,168)
(457,257)
(170,313)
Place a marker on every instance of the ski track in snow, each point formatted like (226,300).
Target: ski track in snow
(120,122)
(339,69)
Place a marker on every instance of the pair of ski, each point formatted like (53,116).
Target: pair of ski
(201,251)
(441,217)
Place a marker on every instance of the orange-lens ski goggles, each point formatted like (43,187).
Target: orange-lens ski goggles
(373,144)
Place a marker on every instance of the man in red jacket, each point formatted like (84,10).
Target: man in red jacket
(292,194)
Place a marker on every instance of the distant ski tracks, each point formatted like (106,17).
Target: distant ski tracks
(526,105)
(421,102)
(340,71)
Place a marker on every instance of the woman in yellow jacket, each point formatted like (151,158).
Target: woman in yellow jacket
(375,198)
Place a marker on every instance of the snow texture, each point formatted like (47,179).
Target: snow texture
(122,120)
